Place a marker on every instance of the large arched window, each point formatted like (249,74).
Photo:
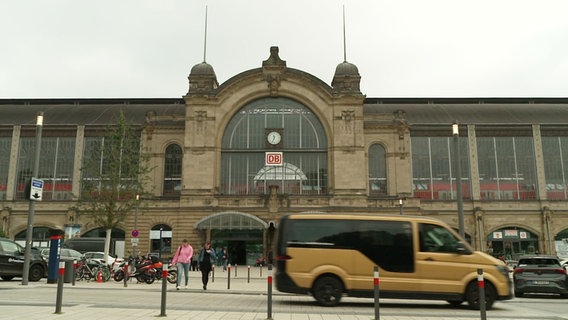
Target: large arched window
(299,136)
(377,170)
(172,170)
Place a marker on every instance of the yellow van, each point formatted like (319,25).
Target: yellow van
(329,255)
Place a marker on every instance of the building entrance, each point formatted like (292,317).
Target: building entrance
(244,246)
(511,242)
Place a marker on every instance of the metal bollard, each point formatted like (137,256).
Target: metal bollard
(125,271)
(248,274)
(59,299)
(213,273)
(229,277)
(260,271)
(236,269)
(74,272)
(481,286)
(269,309)
(164,289)
(377,293)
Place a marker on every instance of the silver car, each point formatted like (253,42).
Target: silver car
(540,274)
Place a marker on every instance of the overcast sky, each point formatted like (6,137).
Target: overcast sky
(403,48)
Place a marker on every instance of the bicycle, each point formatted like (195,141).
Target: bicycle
(89,269)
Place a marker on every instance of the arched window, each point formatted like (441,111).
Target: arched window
(172,170)
(274,125)
(377,170)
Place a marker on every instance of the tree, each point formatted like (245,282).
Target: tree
(114,172)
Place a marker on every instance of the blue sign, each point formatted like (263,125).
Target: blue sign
(36,189)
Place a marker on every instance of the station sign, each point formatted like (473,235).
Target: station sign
(273,158)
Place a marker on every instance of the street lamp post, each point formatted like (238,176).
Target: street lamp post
(456,133)
(135,240)
(31,210)
(400,205)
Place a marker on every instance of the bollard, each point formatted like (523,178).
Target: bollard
(59,299)
(229,277)
(74,272)
(260,271)
(248,274)
(236,268)
(125,271)
(164,289)
(269,309)
(213,273)
(481,286)
(377,295)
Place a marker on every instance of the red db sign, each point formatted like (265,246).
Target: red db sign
(273,158)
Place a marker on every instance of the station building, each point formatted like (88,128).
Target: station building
(230,159)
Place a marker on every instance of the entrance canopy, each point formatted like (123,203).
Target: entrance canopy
(231,221)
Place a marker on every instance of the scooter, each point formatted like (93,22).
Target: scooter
(144,270)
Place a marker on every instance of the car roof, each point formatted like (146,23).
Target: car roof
(538,256)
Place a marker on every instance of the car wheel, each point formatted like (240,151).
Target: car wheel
(518,294)
(36,272)
(7,278)
(328,291)
(472,295)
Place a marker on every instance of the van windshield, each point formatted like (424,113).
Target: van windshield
(434,238)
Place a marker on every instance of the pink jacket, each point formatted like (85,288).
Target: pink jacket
(183,254)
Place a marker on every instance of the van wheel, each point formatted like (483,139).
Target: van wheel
(472,295)
(328,291)
(7,278)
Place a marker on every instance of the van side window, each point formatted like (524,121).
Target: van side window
(434,238)
(387,243)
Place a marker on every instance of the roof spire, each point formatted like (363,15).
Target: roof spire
(205,38)
(344,38)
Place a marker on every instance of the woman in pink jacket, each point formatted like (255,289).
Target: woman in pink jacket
(182,259)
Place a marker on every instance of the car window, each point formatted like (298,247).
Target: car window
(539,261)
(9,247)
(434,238)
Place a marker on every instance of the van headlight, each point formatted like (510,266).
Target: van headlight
(504,270)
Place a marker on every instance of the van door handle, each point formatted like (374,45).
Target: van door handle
(429,259)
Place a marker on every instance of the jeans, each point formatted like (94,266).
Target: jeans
(185,268)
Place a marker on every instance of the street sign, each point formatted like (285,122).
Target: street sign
(135,233)
(134,241)
(36,189)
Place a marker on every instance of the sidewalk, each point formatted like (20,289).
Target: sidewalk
(244,298)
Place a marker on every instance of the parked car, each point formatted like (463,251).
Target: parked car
(99,257)
(540,274)
(64,254)
(12,262)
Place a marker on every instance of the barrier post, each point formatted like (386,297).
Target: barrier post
(74,272)
(164,289)
(377,293)
(125,271)
(213,273)
(229,276)
(269,309)
(260,271)
(481,286)
(236,269)
(248,274)
(59,299)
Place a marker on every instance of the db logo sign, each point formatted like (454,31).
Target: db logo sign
(273,158)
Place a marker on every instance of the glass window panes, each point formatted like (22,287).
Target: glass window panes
(507,168)
(55,168)
(304,147)
(555,155)
(5,146)
(377,170)
(434,168)
(172,170)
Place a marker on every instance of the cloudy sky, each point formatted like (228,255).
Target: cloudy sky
(403,48)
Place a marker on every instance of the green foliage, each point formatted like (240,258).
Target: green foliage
(114,171)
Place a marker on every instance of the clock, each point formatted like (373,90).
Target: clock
(274,137)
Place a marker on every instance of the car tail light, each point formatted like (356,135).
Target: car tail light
(560,270)
(519,270)
(283,258)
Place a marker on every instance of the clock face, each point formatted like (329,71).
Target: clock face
(274,137)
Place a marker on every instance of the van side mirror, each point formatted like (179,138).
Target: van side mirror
(462,249)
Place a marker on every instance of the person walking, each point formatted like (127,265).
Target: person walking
(182,259)
(206,258)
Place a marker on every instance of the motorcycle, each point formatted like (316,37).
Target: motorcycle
(144,270)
